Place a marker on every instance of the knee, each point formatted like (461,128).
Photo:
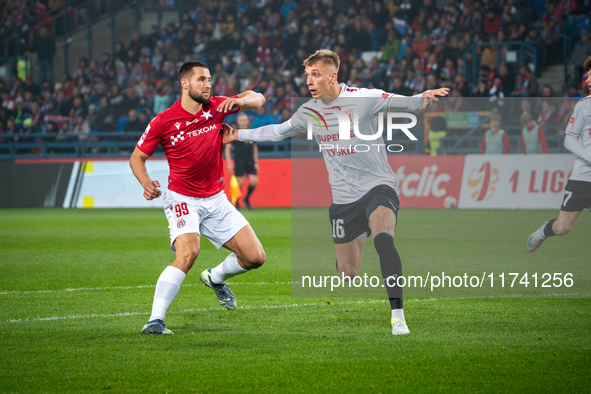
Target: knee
(186,256)
(254,259)
(348,274)
(562,228)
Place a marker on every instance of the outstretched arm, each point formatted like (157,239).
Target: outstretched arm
(418,102)
(273,133)
(431,95)
(137,162)
(245,101)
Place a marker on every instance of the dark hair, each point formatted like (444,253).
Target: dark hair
(587,64)
(188,66)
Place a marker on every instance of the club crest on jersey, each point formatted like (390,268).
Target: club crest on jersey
(178,125)
(179,137)
(180,223)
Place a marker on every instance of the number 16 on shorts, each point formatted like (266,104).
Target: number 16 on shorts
(338,231)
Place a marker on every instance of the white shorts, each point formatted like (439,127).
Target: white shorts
(214,217)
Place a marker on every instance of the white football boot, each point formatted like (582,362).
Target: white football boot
(535,240)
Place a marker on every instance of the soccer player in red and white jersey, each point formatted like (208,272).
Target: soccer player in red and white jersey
(577,192)
(194,201)
(362,184)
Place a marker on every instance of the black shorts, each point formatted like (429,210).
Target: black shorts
(244,165)
(351,221)
(577,196)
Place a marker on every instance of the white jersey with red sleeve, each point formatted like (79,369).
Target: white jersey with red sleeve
(579,126)
(351,172)
(192,145)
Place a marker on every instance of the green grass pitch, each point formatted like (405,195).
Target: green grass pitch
(76,286)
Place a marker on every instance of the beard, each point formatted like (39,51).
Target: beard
(198,98)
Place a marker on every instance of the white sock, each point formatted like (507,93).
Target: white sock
(227,269)
(398,314)
(168,286)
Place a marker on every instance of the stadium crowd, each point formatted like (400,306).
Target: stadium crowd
(259,45)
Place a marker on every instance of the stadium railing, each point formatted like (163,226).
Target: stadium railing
(96,145)
(567,47)
(120,145)
(463,145)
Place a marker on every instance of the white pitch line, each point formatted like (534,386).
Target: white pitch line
(131,287)
(107,315)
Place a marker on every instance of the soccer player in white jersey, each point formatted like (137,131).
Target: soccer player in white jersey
(577,192)
(362,183)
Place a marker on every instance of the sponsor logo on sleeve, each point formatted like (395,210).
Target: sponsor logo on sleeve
(141,141)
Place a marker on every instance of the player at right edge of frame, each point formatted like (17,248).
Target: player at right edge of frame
(362,183)
(577,192)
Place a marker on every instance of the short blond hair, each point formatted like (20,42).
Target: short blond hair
(325,56)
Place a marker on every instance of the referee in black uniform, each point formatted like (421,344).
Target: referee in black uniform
(246,160)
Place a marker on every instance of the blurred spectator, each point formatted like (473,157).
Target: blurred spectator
(50,128)
(121,52)
(244,67)
(63,104)
(163,98)
(565,111)
(392,47)
(533,138)
(31,86)
(481,89)
(134,123)
(495,140)
(496,95)
(436,133)
(526,84)
(24,66)
(547,91)
(80,127)
(573,92)
(36,117)
(262,118)
(130,101)
(106,117)
(581,51)
(547,114)
(106,65)
(91,116)
(44,45)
